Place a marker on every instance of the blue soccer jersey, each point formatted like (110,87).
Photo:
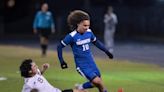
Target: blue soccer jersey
(80,44)
(43,20)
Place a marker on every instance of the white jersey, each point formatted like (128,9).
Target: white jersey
(38,82)
(110,21)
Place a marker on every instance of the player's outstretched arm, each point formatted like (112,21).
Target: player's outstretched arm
(60,56)
(101,46)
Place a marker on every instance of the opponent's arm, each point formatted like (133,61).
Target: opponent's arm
(35,22)
(100,45)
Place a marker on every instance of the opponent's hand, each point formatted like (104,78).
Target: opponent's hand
(64,65)
(110,55)
(45,66)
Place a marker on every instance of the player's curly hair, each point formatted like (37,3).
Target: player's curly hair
(75,17)
(25,67)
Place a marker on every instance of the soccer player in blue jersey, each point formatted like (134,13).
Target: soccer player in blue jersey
(44,25)
(80,40)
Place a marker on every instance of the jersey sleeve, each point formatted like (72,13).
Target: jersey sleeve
(52,21)
(36,20)
(67,40)
(93,37)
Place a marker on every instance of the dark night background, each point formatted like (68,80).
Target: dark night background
(137,19)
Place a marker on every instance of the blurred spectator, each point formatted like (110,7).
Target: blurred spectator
(110,20)
(11,3)
(44,26)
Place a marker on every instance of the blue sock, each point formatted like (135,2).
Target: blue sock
(87,85)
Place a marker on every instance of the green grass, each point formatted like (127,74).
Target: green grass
(132,77)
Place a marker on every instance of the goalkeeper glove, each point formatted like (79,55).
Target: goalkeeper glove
(109,54)
(64,65)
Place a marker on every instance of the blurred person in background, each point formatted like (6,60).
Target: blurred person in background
(110,21)
(34,81)
(44,26)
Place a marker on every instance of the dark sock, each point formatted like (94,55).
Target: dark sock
(44,48)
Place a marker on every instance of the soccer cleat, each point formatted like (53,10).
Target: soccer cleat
(79,86)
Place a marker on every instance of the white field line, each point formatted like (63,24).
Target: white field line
(3,78)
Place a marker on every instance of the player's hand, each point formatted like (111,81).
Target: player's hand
(45,66)
(110,55)
(64,65)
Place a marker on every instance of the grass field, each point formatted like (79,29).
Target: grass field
(132,77)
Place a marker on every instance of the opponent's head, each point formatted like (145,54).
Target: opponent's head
(28,68)
(110,9)
(44,7)
(79,20)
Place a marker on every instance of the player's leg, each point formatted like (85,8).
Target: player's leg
(107,39)
(106,34)
(111,40)
(97,81)
(84,73)
(44,33)
(95,78)
(93,75)
(44,40)
(44,44)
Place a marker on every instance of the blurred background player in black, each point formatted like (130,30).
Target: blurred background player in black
(44,26)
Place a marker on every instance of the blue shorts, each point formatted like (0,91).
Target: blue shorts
(89,72)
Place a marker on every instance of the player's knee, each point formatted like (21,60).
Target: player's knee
(97,81)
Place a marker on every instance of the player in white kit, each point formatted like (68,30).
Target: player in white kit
(34,81)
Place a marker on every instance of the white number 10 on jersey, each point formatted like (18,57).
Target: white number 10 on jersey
(85,47)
